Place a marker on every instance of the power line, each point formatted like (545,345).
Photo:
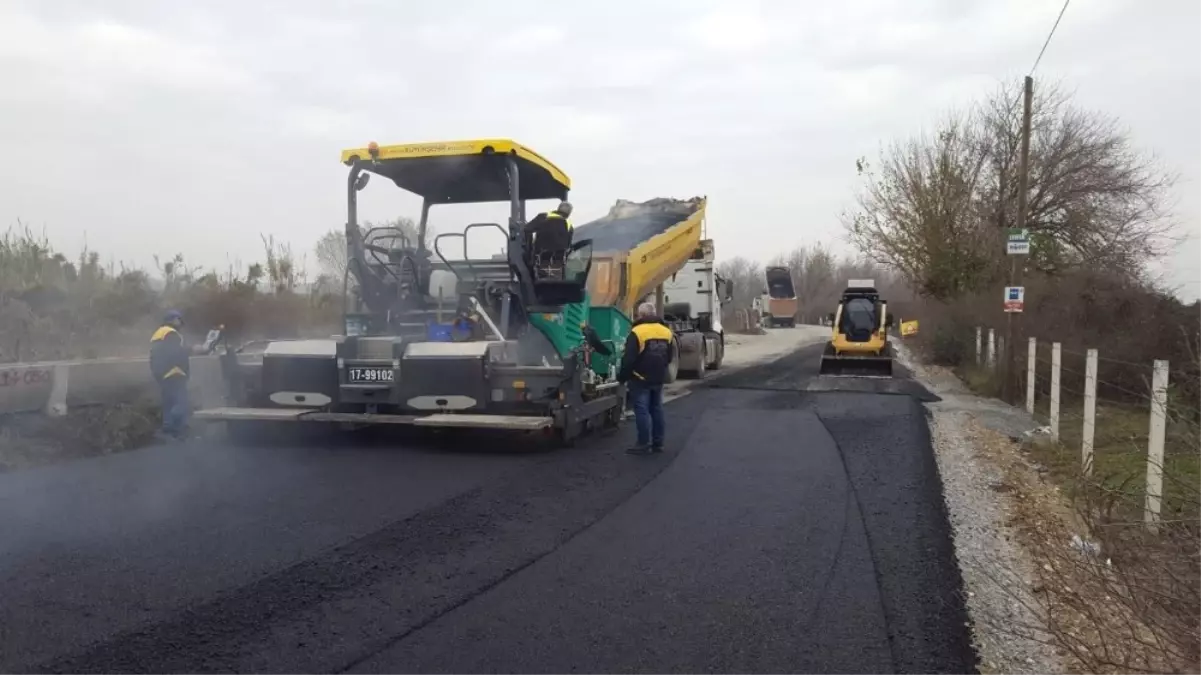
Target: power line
(1042,51)
(1049,36)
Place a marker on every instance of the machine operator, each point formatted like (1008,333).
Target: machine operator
(550,234)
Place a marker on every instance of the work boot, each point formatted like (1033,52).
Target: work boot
(640,450)
(657,448)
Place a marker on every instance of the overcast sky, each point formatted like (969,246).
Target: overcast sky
(158,127)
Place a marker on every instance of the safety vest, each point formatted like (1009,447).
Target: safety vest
(653,342)
(556,214)
(159,335)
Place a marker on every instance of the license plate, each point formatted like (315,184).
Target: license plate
(370,375)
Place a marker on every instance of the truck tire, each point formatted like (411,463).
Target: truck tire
(721,352)
(701,363)
(692,354)
(673,370)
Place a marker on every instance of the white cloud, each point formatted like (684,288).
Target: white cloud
(762,104)
(533,38)
(734,29)
(105,54)
(566,126)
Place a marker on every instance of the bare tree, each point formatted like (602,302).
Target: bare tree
(1094,199)
(936,206)
(331,254)
(917,212)
(331,247)
(747,277)
(815,277)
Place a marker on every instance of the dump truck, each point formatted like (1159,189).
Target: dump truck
(516,353)
(692,304)
(859,344)
(782,302)
(637,248)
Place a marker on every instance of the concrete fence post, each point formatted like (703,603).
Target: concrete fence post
(1090,412)
(60,383)
(992,348)
(1031,361)
(1159,419)
(978,341)
(1056,362)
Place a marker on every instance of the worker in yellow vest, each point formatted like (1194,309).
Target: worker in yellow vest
(550,236)
(170,368)
(644,367)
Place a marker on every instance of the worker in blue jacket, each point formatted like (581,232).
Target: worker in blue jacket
(169,365)
(644,365)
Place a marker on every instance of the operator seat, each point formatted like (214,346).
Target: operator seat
(858,321)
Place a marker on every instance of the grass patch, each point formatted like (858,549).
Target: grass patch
(981,380)
(1119,449)
(1120,460)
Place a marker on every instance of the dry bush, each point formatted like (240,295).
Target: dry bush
(52,308)
(1128,599)
(1133,604)
(1130,323)
(33,439)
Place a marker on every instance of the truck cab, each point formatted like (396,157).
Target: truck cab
(692,306)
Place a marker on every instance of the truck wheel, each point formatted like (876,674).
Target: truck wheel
(699,373)
(673,370)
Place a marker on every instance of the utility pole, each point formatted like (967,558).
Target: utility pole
(1015,270)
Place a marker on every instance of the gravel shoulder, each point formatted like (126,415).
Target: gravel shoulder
(975,459)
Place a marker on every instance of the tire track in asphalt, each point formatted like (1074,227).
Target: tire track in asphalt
(857,502)
(928,606)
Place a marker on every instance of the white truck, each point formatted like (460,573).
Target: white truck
(692,302)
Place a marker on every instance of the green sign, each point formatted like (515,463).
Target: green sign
(1018,241)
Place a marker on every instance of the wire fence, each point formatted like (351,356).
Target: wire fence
(1120,416)
(1125,443)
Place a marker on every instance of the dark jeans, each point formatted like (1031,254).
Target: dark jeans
(174,391)
(647,401)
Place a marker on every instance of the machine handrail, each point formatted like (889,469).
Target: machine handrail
(463,236)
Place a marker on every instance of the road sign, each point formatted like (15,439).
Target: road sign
(1018,241)
(908,328)
(1015,298)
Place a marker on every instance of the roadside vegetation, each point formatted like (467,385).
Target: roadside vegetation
(934,208)
(53,307)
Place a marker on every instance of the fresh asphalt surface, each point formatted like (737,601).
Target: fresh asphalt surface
(784,530)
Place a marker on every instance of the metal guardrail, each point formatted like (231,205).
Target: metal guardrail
(53,387)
